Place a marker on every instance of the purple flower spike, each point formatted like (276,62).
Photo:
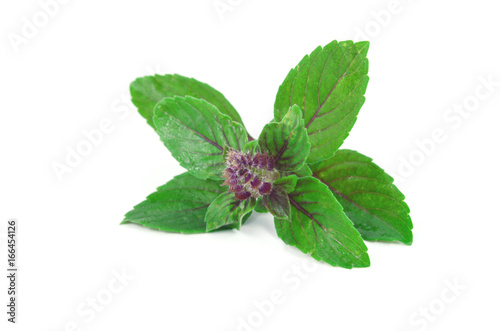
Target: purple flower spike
(249,175)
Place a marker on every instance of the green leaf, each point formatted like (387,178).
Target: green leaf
(319,227)
(252,147)
(286,141)
(288,183)
(305,171)
(372,202)
(260,207)
(196,133)
(227,210)
(147,91)
(178,206)
(277,203)
(328,85)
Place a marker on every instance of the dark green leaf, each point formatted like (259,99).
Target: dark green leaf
(277,203)
(372,202)
(286,141)
(319,227)
(196,133)
(178,206)
(147,91)
(328,86)
(227,210)
(287,183)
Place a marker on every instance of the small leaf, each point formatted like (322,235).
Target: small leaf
(260,207)
(227,210)
(147,91)
(372,202)
(178,206)
(305,171)
(252,147)
(277,203)
(287,183)
(319,227)
(196,133)
(286,141)
(328,86)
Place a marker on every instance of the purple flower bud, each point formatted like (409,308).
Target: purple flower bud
(248,178)
(256,160)
(230,182)
(263,162)
(243,160)
(243,195)
(255,182)
(237,188)
(270,163)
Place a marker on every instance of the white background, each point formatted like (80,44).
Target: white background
(425,58)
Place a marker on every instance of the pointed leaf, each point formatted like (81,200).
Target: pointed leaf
(372,202)
(252,147)
(286,141)
(305,171)
(319,227)
(178,206)
(196,133)
(260,207)
(227,210)
(288,183)
(277,203)
(328,86)
(147,91)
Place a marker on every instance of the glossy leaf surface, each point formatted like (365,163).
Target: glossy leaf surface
(196,134)
(286,141)
(178,206)
(319,227)
(368,195)
(227,210)
(147,91)
(328,85)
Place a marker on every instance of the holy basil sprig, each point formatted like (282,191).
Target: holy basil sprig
(325,201)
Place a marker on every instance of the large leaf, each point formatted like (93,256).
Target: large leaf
(319,227)
(147,91)
(196,133)
(226,210)
(286,141)
(372,202)
(178,206)
(328,85)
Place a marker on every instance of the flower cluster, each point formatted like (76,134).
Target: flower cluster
(249,175)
